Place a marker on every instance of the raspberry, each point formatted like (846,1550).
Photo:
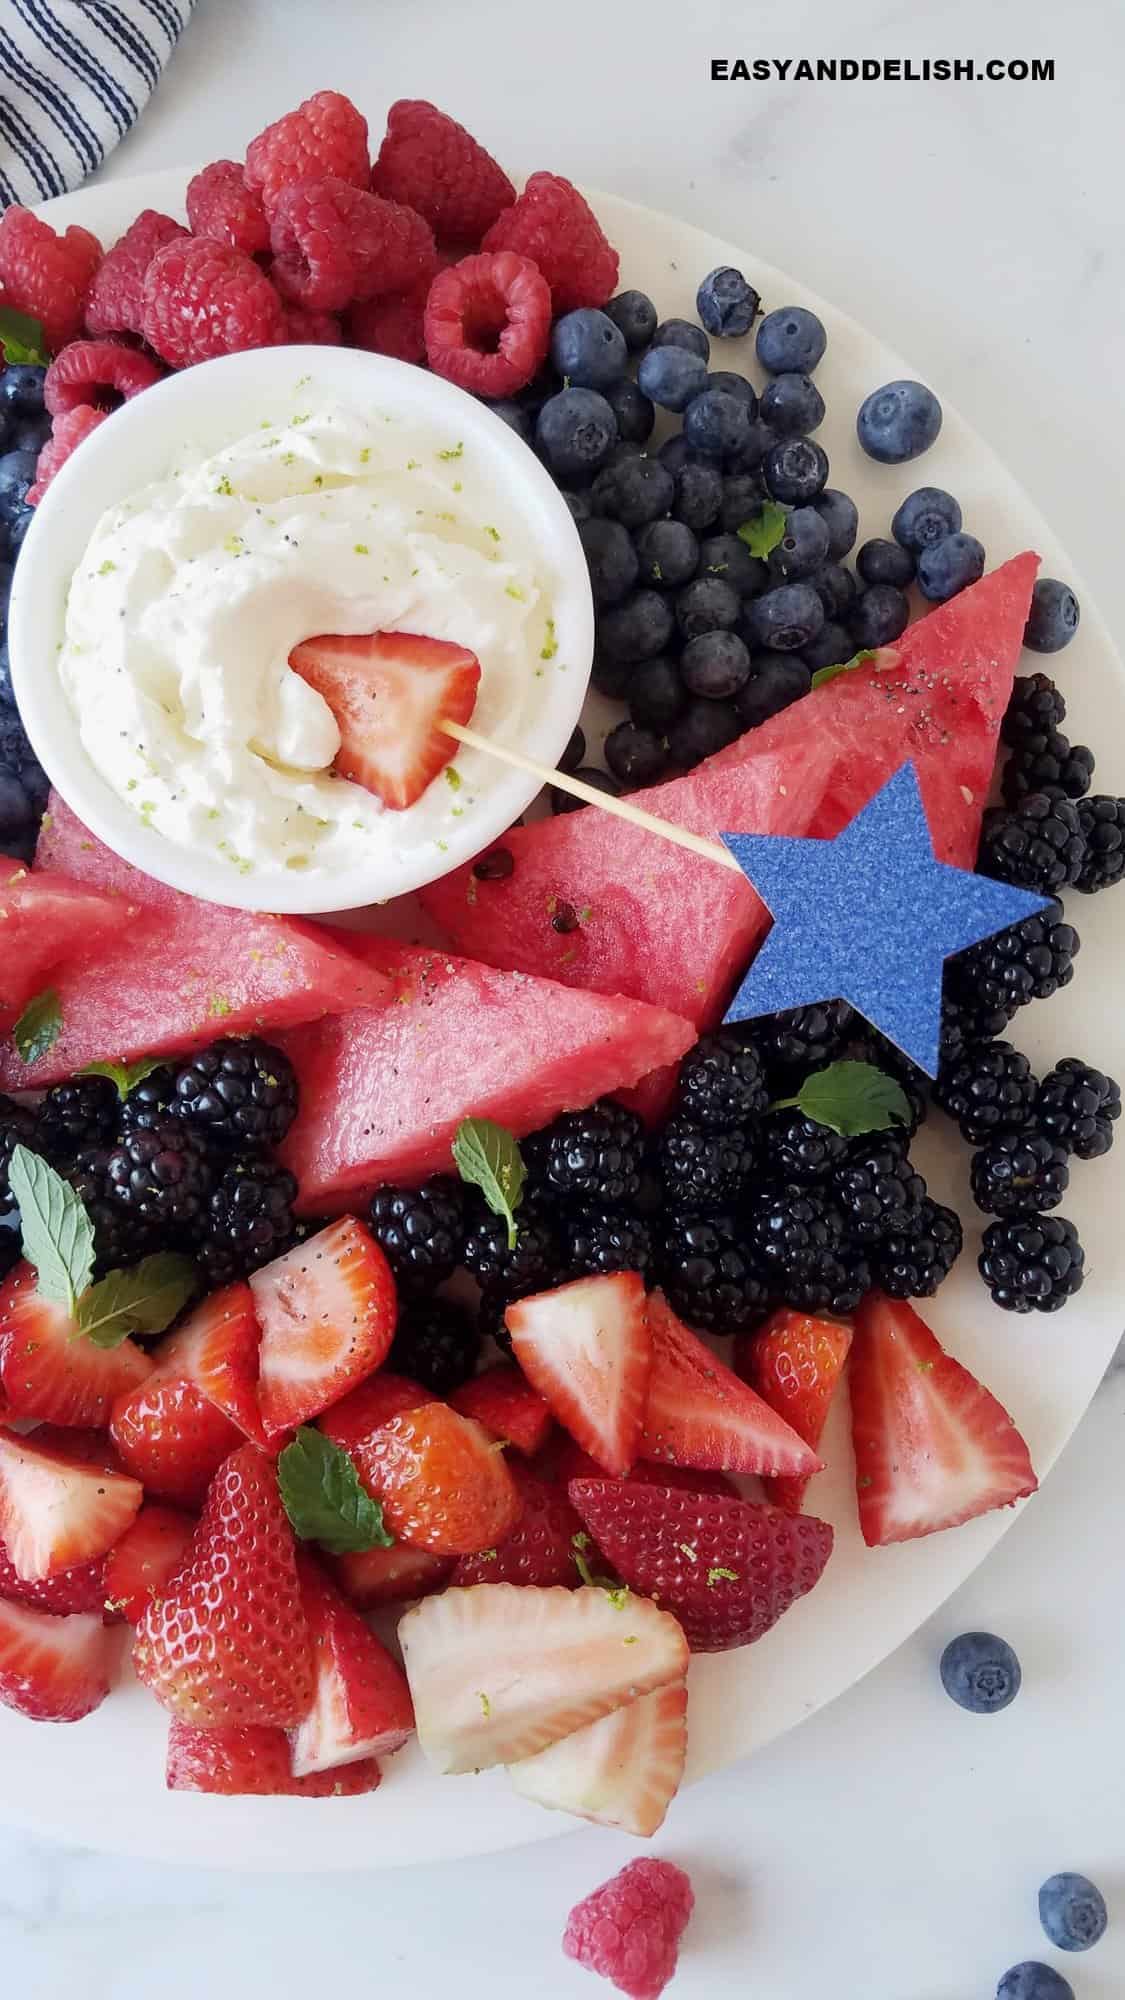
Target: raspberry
(67,433)
(629,1930)
(433,165)
(488,323)
(203,299)
(334,244)
(47,275)
(115,302)
(550,223)
(219,204)
(325,135)
(98,375)
(314,329)
(392,325)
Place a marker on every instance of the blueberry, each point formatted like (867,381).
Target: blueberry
(565,802)
(734,385)
(948,566)
(633,490)
(635,314)
(587,349)
(760,441)
(635,414)
(668,554)
(17,470)
(898,422)
(796,470)
(672,376)
(675,453)
(517,416)
(7,692)
(792,404)
(1072,1912)
(831,647)
(717,424)
(775,681)
(715,665)
(980,1672)
(1054,616)
(785,619)
(575,431)
(703,728)
(610,558)
(699,496)
(726,303)
(635,756)
(30,433)
(656,693)
(926,515)
(728,557)
(836,588)
(18,524)
(1032,1981)
(791,341)
(709,604)
(742,501)
(841,516)
(885,562)
(575,750)
(21,389)
(638,628)
(802,549)
(682,333)
(878,617)
(610,675)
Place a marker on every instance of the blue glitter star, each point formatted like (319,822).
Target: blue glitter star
(870,918)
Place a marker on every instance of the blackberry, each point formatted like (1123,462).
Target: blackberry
(1038,845)
(592,1155)
(803,1038)
(1059,767)
(799,1235)
(832,1281)
(598,1240)
(249,1219)
(989,1089)
(150,1101)
(1102,821)
(18,1127)
(914,1265)
(710,1274)
(1078,1107)
(238,1093)
(161,1174)
(799,1150)
(120,1236)
(77,1115)
(1032,1263)
(878,1190)
(1035,709)
(1029,961)
(436,1343)
(420,1230)
(722,1082)
(703,1170)
(1019,1173)
(534,1265)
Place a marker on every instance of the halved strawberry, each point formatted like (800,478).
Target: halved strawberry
(53,1669)
(622,1771)
(499,1672)
(586,1347)
(390,693)
(69,1590)
(390,1576)
(217,1349)
(361,1706)
(253,1762)
(57,1511)
(48,1370)
(352,1420)
(795,1363)
(327,1316)
(173,1439)
(933,1447)
(698,1413)
(503,1400)
(442,1481)
(146,1556)
(540,1548)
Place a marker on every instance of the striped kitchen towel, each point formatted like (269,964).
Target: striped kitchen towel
(74,76)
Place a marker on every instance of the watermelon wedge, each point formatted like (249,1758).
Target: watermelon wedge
(45,921)
(383,1090)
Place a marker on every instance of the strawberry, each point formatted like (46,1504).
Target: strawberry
(540,1548)
(503,1400)
(574,1463)
(390,1576)
(146,1556)
(933,1447)
(327,1313)
(69,1590)
(383,1396)
(698,1413)
(56,1510)
(390,693)
(586,1347)
(499,1672)
(173,1439)
(727,1569)
(217,1349)
(795,1363)
(252,1762)
(622,1771)
(442,1481)
(48,1370)
(53,1669)
(361,1706)
(227,1642)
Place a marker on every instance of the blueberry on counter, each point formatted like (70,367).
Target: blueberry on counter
(683,333)
(795,471)
(926,515)
(635,414)
(792,404)
(728,556)
(836,588)
(668,553)
(791,340)
(898,422)
(703,728)
(786,619)
(734,385)
(832,647)
(1072,1911)
(519,417)
(717,423)
(672,375)
(634,489)
(565,802)
(980,1673)
(587,349)
(742,497)
(698,495)
(841,517)
(634,313)
(610,558)
(803,549)
(575,750)
(575,431)
(635,756)
(656,693)
(727,303)
(1032,1981)
(21,389)
(1053,619)
(879,616)
(880,561)
(949,566)
(707,604)
(638,627)
(714,665)
(775,681)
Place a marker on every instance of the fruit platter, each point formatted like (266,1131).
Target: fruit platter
(436,1338)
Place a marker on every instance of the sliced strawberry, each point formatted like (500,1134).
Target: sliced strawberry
(53,1669)
(327,1314)
(352,1420)
(586,1347)
(390,1576)
(503,1400)
(727,1569)
(146,1556)
(574,1463)
(57,1511)
(698,1413)
(69,1590)
(540,1548)
(442,1481)
(390,693)
(173,1439)
(622,1771)
(48,1370)
(499,1672)
(361,1707)
(217,1349)
(253,1762)
(795,1363)
(933,1447)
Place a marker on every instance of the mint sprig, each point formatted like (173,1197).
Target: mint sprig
(850,1098)
(38,1027)
(143,1299)
(766,530)
(488,1157)
(823,675)
(58,1236)
(323,1498)
(124,1075)
(22,339)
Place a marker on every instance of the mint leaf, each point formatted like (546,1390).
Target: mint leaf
(487,1157)
(58,1237)
(21,339)
(38,1027)
(766,529)
(825,674)
(850,1098)
(124,1075)
(323,1498)
(143,1299)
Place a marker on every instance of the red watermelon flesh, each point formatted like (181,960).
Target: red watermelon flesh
(46,921)
(383,1091)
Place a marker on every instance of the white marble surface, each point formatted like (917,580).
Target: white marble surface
(891,1849)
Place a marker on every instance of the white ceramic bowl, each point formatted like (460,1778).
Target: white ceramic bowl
(212,405)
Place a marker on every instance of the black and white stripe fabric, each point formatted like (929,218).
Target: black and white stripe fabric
(74,76)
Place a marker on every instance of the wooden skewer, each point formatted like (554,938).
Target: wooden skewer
(695,843)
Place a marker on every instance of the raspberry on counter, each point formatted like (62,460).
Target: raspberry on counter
(432,164)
